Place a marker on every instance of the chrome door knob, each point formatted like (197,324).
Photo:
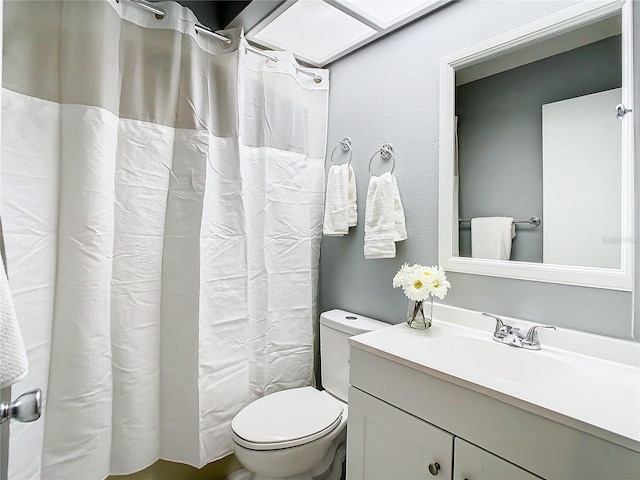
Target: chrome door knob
(621,111)
(26,408)
(434,468)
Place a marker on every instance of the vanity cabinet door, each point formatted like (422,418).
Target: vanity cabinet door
(386,443)
(473,463)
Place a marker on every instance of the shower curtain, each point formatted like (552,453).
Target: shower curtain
(162,204)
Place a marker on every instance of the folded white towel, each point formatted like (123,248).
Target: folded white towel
(13,356)
(340,209)
(491,237)
(384,218)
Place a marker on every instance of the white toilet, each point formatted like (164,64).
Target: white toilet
(300,433)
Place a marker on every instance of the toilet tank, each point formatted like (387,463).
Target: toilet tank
(336,326)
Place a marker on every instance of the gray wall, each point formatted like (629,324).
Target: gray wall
(500,135)
(388,92)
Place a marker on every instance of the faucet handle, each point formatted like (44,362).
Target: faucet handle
(501,329)
(532,334)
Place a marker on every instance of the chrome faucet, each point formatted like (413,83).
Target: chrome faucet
(513,336)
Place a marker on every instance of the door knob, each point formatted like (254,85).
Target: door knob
(434,468)
(26,408)
(621,111)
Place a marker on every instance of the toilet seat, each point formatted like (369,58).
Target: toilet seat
(286,419)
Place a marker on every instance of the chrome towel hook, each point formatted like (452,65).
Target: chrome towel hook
(345,145)
(386,152)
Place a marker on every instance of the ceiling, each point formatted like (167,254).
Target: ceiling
(317,32)
(218,14)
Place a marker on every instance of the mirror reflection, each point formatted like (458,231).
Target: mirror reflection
(537,136)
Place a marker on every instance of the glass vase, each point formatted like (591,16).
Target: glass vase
(418,319)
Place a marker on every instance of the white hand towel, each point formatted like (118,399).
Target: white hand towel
(13,356)
(400,229)
(384,218)
(491,237)
(340,209)
(353,204)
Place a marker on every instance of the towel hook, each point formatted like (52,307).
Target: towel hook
(385,152)
(345,144)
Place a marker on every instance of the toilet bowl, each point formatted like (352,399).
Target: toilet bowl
(290,433)
(300,433)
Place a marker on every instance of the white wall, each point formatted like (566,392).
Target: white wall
(388,92)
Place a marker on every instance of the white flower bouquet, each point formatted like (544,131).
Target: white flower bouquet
(420,283)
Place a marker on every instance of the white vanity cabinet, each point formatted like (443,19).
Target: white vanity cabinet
(386,443)
(404,416)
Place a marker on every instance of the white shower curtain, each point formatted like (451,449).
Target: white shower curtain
(162,205)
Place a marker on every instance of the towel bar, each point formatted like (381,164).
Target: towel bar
(533,221)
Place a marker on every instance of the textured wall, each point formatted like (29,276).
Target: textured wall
(388,92)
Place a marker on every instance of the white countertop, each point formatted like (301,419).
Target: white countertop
(586,381)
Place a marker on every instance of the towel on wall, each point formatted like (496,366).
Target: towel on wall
(340,209)
(13,356)
(384,218)
(491,237)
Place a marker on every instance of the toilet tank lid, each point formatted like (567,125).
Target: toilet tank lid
(350,323)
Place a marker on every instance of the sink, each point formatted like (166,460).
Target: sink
(500,360)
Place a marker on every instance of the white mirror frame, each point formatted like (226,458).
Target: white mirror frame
(448,225)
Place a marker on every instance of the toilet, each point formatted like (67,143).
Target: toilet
(300,433)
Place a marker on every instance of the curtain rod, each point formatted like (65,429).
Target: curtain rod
(316,78)
(160,14)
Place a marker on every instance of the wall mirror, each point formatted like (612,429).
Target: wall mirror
(534,127)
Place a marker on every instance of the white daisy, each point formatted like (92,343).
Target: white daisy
(428,272)
(439,283)
(402,277)
(418,287)
(419,282)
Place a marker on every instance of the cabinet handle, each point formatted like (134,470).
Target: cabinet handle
(434,468)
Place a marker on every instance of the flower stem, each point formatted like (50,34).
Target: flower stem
(431,316)
(416,308)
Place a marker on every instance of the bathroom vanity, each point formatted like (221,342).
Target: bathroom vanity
(451,403)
